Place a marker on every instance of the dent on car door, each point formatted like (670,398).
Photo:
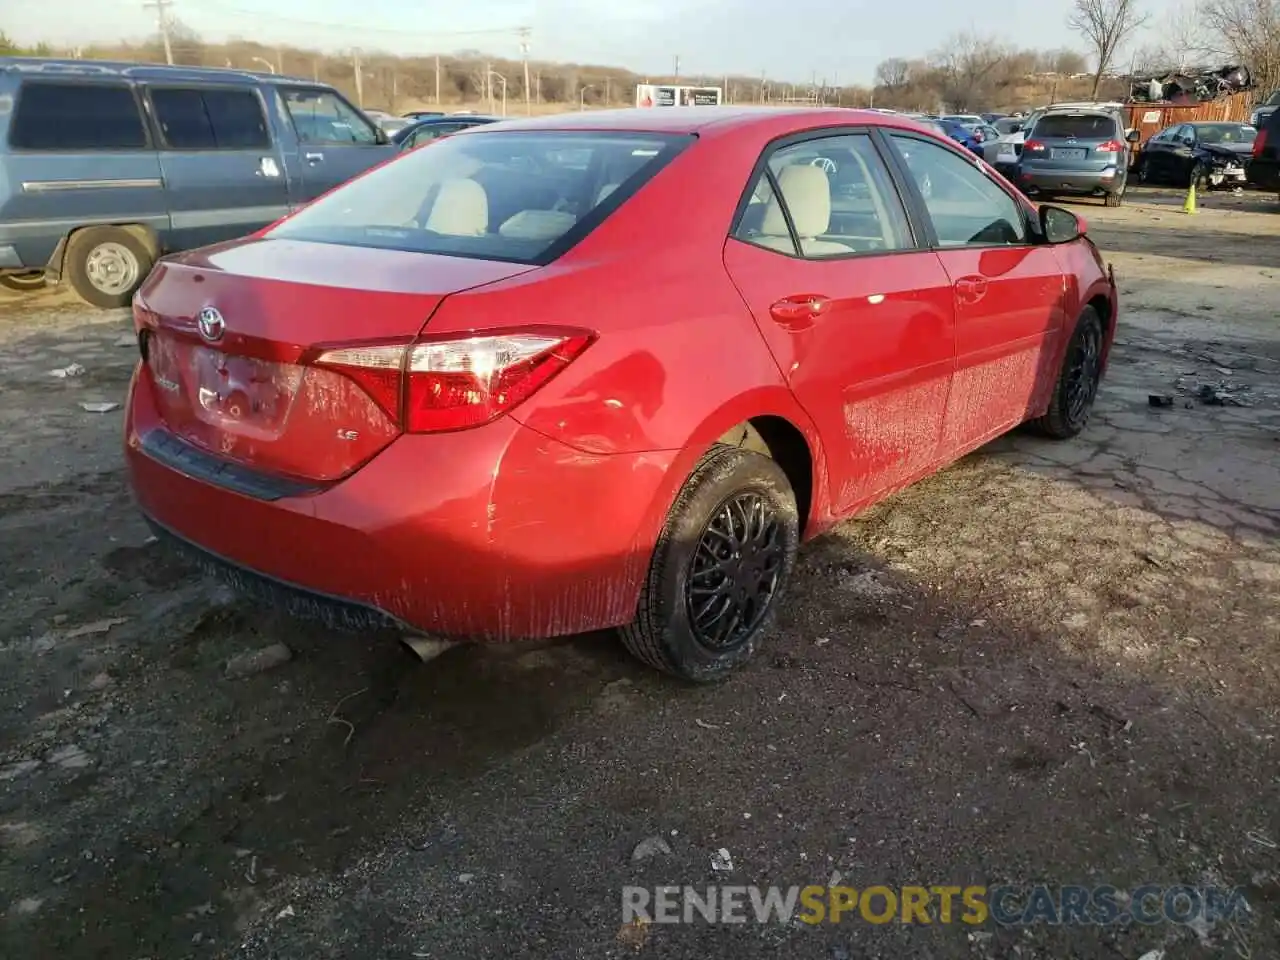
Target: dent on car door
(858,317)
(1009,293)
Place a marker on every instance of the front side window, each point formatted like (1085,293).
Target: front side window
(321,116)
(965,206)
(77,116)
(493,195)
(837,195)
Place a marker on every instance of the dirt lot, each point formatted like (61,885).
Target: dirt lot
(1053,663)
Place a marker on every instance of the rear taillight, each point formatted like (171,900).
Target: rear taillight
(1110,146)
(453,383)
(1259,142)
(1033,146)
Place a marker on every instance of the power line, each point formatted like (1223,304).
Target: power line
(353,27)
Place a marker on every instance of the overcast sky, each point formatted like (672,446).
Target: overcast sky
(791,39)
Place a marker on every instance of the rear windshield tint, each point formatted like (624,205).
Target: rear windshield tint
(1080,127)
(517,196)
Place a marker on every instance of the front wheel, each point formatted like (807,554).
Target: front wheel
(1078,380)
(719,567)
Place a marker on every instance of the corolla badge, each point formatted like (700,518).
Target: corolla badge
(210,323)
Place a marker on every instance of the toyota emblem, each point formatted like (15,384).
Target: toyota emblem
(211,324)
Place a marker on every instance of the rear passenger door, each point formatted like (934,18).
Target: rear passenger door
(1009,292)
(857,314)
(224,175)
(335,140)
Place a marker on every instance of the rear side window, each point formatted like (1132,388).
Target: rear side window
(1083,127)
(196,119)
(76,116)
(491,195)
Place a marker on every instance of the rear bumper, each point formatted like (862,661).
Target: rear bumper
(1263,174)
(1110,180)
(496,533)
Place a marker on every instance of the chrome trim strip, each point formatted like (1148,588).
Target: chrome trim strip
(57,186)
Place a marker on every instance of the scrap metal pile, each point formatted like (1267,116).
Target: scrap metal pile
(1192,86)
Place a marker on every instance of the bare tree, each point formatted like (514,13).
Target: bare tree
(1249,31)
(966,69)
(893,74)
(1106,24)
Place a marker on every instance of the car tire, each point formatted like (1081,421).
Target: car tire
(1078,380)
(733,494)
(24,282)
(1113,199)
(1143,172)
(105,265)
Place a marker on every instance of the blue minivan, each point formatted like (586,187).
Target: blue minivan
(104,167)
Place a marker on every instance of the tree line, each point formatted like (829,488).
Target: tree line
(969,72)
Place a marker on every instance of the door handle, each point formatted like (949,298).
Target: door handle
(800,310)
(313,158)
(970,289)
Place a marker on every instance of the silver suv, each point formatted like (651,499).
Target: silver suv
(1073,151)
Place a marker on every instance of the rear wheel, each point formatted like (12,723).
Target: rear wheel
(23,282)
(1077,384)
(1113,199)
(1144,171)
(105,265)
(722,561)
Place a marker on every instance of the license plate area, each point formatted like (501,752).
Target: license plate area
(241,394)
(1068,153)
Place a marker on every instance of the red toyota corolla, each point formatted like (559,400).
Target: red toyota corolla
(602,370)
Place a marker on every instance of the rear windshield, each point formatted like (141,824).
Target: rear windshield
(1079,126)
(517,196)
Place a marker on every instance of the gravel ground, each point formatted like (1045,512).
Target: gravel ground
(1051,662)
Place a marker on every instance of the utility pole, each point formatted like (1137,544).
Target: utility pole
(524,53)
(608,90)
(163,23)
(355,65)
(437,80)
(488,84)
(677,66)
(279,60)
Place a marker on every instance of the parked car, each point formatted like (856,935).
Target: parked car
(432,128)
(104,167)
(389,122)
(961,134)
(423,114)
(1264,110)
(1263,168)
(966,119)
(1082,152)
(1192,151)
(485,391)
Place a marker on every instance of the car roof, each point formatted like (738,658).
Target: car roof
(106,69)
(459,118)
(706,120)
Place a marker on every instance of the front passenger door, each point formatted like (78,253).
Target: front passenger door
(1009,292)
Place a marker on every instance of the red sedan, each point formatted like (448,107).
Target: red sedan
(602,370)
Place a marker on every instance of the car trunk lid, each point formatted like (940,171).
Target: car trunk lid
(229,334)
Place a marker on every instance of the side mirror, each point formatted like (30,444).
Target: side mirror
(1059,225)
(380,136)
(1133,136)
